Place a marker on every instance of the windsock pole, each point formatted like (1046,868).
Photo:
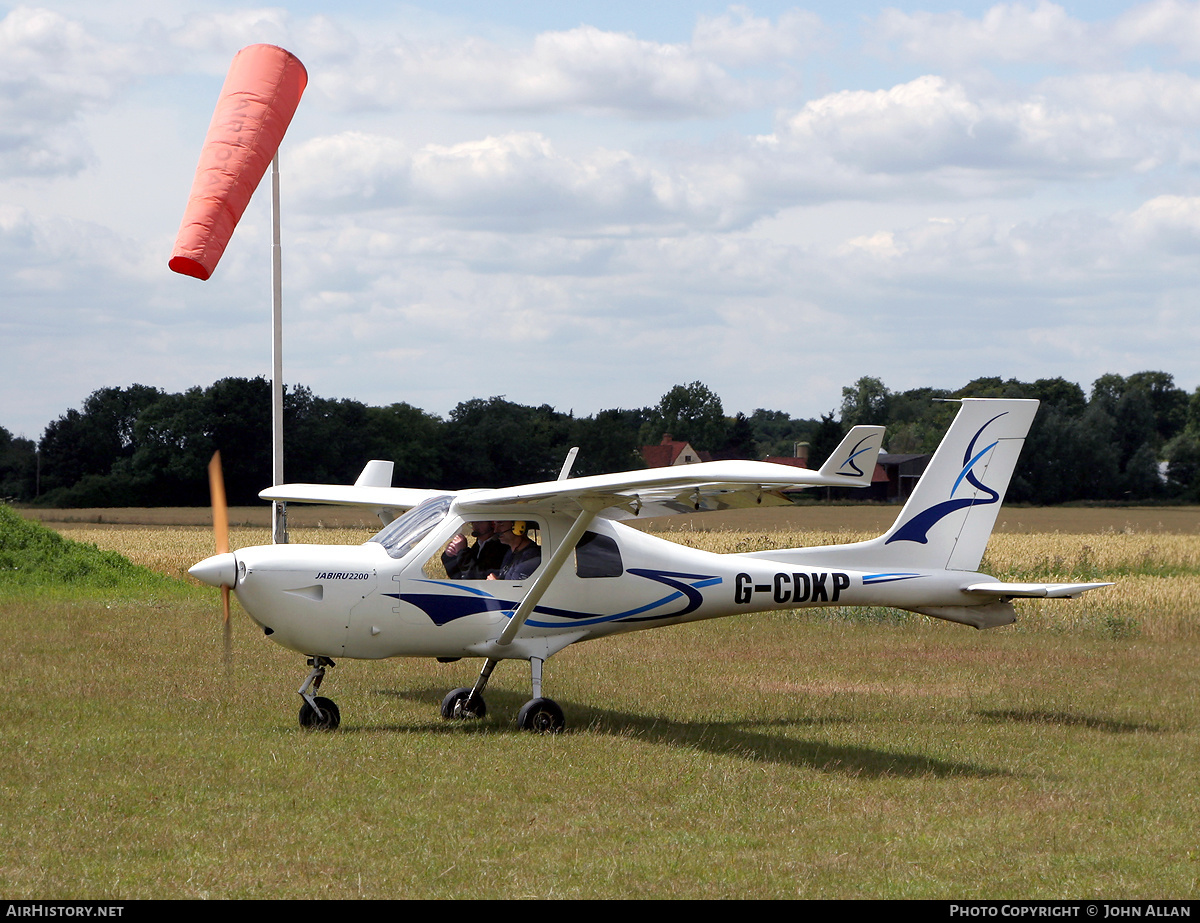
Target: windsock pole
(278,510)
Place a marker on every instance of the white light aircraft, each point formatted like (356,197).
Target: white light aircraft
(593,576)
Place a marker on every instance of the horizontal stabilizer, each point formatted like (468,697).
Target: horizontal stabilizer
(1034,590)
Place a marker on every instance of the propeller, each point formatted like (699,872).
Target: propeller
(220,515)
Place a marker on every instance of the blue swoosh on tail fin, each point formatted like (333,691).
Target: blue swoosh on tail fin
(917,528)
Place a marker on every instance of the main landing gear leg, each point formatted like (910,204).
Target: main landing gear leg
(468,703)
(538,714)
(317,713)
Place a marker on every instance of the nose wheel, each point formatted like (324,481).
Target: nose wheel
(318,713)
(463,704)
(322,715)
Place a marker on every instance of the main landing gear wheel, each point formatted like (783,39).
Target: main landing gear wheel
(542,716)
(459,704)
(328,720)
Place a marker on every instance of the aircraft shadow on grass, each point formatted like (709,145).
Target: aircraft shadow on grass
(1070,719)
(723,738)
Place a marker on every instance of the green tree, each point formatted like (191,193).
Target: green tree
(1065,395)
(1183,467)
(93,439)
(609,441)
(325,441)
(1169,403)
(690,413)
(18,467)
(868,402)
(497,443)
(825,439)
(412,439)
(177,435)
(739,441)
(776,433)
(917,420)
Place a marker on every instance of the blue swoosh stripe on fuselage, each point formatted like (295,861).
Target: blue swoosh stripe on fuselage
(443,608)
(872,579)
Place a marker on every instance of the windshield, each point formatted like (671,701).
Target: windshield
(402,535)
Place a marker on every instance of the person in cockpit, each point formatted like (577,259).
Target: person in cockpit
(524,555)
(478,561)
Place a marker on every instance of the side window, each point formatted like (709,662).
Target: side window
(508,555)
(597,556)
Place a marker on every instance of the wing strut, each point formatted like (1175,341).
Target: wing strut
(553,566)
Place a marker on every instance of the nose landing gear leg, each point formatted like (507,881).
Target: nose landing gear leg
(317,713)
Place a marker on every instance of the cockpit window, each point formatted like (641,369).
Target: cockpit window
(402,535)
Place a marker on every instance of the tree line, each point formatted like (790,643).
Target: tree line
(1130,438)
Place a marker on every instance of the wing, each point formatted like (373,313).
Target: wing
(370,491)
(391,498)
(717,485)
(654,492)
(657,491)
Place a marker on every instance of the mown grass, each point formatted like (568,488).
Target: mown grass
(774,755)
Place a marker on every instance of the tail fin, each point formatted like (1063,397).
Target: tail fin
(948,520)
(854,459)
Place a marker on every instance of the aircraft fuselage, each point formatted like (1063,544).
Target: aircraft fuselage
(357,601)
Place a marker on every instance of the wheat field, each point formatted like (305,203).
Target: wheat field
(1156,573)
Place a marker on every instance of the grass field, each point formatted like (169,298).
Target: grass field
(808,755)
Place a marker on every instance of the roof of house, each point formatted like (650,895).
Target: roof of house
(667,452)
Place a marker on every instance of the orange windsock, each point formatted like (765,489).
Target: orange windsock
(256,105)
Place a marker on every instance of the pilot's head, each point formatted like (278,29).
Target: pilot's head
(509,530)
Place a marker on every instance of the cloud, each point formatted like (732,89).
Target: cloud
(741,39)
(584,69)
(1169,223)
(225,33)
(1075,292)
(928,138)
(1041,34)
(583,199)
(1007,32)
(1170,24)
(947,136)
(52,70)
(517,180)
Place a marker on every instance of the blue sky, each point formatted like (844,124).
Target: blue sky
(585,205)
